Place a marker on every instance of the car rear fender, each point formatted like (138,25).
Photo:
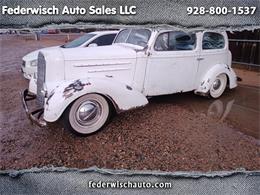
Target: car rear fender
(210,76)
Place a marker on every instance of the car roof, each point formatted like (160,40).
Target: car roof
(104,32)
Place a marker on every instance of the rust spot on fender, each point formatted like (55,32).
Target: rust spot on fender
(50,96)
(128,87)
(228,67)
(120,110)
(74,87)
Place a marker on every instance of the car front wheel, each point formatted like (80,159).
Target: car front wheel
(218,86)
(87,114)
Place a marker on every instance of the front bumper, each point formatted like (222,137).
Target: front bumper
(34,116)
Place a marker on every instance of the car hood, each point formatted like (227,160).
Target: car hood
(34,55)
(100,53)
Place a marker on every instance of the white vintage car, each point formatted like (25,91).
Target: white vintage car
(83,85)
(97,38)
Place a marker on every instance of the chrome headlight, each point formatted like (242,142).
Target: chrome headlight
(34,63)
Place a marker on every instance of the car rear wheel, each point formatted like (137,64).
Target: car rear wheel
(87,114)
(218,86)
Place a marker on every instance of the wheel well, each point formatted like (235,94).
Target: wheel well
(227,85)
(227,80)
(112,104)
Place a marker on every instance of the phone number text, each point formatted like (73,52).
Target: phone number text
(221,10)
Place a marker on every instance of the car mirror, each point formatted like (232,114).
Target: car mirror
(93,45)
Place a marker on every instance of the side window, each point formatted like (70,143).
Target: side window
(212,40)
(182,41)
(175,41)
(162,42)
(104,40)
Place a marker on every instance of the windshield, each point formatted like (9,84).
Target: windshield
(134,36)
(79,41)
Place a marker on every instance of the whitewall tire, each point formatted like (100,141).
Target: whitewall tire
(87,114)
(218,86)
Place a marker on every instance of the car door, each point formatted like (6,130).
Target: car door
(172,63)
(214,50)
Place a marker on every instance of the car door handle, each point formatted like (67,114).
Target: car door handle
(200,59)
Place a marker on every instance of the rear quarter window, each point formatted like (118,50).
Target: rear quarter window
(212,40)
(175,41)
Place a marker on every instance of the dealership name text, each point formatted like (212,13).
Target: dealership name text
(53,10)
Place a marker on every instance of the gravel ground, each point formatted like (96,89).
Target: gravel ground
(172,133)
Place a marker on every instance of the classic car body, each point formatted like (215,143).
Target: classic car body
(84,84)
(97,38)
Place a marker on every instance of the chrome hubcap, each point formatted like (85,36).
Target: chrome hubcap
(216,84)
(88,113)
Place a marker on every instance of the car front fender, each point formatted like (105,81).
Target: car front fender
(121,95)
(208,79)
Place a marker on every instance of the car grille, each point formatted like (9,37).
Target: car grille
(41,69)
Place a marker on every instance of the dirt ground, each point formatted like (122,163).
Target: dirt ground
(180,132)
(250,78)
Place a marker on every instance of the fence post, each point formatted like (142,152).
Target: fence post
(37,36)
